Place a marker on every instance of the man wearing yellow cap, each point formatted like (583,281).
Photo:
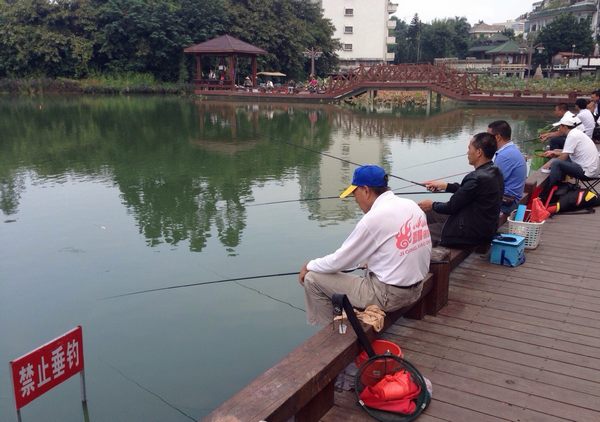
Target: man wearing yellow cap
(392,239)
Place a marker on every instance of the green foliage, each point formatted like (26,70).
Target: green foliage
(73,38)
(42,38)
(509,33)
(420,42)
(284,28)
(564,32)
(149,35)
(401,35)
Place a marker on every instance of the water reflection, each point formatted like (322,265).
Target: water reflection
(186,168)
(89,182)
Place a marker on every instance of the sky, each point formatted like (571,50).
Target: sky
(489,11)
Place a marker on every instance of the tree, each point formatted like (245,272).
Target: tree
(414,39)
(401,48)
(509,33)
(43,38)
(149,35)
(461,37)
(436,41)
(445,38)
(285,28)
(564,32)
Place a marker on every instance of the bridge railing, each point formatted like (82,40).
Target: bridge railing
(425,74)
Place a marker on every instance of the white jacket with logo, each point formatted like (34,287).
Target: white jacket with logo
(392,238)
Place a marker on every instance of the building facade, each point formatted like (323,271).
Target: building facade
(363,28)
(546,11)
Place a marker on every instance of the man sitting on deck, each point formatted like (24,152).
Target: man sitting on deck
(578,158)
(392,239)
(470,217)
(554,138)
(511,163)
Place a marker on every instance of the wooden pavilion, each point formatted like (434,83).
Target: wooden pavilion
(228,49)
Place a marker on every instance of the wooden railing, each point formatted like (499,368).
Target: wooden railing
(418,74)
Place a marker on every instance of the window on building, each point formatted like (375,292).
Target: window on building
(349,12)
(348,29)
(347,47)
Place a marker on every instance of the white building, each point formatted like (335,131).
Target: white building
(363,28)
(546,11)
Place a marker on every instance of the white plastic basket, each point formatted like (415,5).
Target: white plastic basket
(531,231)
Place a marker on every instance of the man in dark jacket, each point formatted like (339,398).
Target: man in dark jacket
(470,217)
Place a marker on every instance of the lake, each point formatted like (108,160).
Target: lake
(103,196)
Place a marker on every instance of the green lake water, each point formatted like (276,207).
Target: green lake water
(109,195)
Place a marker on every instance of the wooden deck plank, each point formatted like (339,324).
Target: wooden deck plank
(552,296)
(462,296)
(511,340)
(465,310)
(528,302)
(504,400)
(509,365)
(516,343)
(499,353)
(579,285)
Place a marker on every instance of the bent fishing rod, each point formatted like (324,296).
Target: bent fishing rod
(287,201)
(350,162)
(203,283)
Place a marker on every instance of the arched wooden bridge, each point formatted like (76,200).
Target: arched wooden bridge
(439,79)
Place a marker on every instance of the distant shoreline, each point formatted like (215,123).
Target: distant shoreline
(108,85)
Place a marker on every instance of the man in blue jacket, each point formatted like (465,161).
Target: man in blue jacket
(470,217)
(511,163)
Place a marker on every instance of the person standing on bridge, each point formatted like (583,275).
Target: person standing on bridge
(392,240)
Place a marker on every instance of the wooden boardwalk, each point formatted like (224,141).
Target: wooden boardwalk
(518,344)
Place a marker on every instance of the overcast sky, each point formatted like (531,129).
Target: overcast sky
(489,11)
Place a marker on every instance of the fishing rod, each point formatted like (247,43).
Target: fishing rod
(350,162)
(286,201)
(202,283)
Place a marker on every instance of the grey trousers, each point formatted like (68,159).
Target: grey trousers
(362,291)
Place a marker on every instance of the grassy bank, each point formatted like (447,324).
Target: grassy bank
(127,83)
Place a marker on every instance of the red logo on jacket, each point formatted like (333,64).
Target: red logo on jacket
(412,233)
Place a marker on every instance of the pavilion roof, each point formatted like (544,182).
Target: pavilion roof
(224,44)
(509,47)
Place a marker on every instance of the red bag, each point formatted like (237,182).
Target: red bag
(539,213)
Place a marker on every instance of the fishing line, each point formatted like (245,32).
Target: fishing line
(349,162)
(435,161)
(158,396)
(269,296)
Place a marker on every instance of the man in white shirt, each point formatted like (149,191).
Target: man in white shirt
(587,118)
(392,239)
(578,158)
